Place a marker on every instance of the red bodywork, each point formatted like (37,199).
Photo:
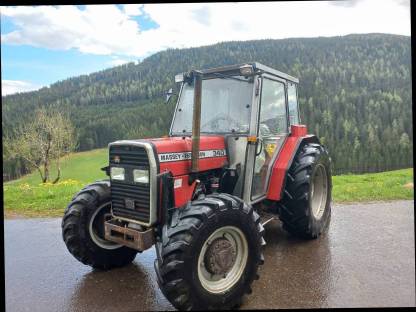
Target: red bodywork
(176,147)
(174,156)
(283,161)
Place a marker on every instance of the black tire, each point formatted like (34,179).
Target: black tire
(295,208)
(182,239)
(76,232)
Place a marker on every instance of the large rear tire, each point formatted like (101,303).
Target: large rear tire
(83,229)
(305,208)
(209,252)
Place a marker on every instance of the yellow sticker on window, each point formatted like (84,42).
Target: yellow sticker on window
(270,148)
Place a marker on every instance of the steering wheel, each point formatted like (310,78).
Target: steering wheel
(264,130)
(214,123)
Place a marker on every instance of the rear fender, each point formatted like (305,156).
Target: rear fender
(295,141)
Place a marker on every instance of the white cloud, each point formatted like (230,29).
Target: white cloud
(345,3)
(14,86)
(108,29)
(116,61)
(99,29)
(132,9)
(405,3)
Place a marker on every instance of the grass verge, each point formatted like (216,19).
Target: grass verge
(28,197)
(389,185)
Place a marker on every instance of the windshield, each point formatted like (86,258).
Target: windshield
(225,107)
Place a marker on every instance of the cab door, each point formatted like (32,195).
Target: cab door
(272,131)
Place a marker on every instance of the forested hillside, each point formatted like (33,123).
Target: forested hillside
(355,94)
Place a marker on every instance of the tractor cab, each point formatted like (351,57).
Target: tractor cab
(253,107)
(236,157)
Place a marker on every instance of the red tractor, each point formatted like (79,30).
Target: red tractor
(235,151)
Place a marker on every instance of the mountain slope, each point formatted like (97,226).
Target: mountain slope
(355,94)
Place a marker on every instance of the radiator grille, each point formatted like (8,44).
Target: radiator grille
(130,158)
(129,155)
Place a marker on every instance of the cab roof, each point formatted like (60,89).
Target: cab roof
(258,68)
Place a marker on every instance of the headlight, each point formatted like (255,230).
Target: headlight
(117,173)
(141,176)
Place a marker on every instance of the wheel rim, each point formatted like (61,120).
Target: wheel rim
(96,228)
(319,191)
(230,258)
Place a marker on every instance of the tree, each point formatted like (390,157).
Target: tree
(46,139)
(126,102)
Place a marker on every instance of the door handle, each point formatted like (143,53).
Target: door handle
(259,140)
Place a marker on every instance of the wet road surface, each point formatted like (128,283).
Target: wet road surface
(367,259)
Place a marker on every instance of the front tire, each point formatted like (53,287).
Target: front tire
(209,253)
(305,208)
(83,229)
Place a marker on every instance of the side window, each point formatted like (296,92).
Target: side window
(273,119)
(293,103)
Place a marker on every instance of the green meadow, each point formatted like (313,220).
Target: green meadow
(28,197)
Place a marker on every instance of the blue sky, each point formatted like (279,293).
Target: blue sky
(44,44)
(42,66)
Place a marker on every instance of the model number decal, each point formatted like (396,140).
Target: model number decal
(165,157)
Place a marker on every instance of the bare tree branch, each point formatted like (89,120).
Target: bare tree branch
(49,136)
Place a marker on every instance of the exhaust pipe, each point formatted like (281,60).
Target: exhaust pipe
(196,121)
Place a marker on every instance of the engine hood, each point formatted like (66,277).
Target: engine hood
(174,153)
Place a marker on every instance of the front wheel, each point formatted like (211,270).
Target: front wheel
(305,209)
(209,253)
(83,229)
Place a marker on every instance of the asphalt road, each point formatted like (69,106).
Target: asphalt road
(367,259)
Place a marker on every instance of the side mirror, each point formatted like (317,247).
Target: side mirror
(169,94)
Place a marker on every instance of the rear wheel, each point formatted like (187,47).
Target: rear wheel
(305,208)
(83,229)
(209,253)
